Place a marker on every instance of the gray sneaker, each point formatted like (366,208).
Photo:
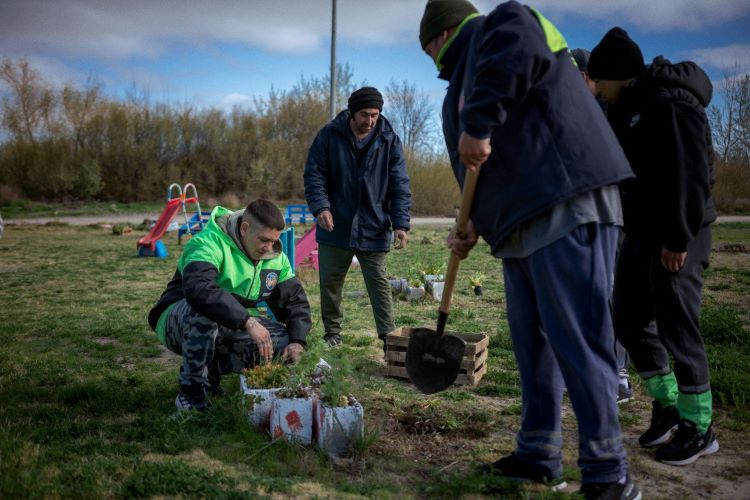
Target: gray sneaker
(611,491)
(333,340)
(624,392)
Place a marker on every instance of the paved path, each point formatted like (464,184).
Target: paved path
(84,220)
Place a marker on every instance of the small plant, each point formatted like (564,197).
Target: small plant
(267,375)
(476,283)
(294,392)
(433,269)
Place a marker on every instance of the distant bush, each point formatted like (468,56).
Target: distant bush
(434,190)
(731,193)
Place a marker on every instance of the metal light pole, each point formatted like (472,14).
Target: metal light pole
(333,62)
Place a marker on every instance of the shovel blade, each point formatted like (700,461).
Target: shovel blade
(433,361)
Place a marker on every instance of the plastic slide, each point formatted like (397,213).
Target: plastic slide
(306,250)
(162,224)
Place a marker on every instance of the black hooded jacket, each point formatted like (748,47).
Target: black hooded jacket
(660,120)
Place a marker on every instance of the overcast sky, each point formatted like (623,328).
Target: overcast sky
(221,52)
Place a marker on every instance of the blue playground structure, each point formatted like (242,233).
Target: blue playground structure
(298,213)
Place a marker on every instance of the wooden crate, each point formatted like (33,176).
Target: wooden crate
(473,366)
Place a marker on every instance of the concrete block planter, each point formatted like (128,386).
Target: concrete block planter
(398,285)
(292,418)
(427,278)
(258,403)
(414,293)
(435,289)
(336,429)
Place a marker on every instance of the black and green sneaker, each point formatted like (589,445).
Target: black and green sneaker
(688,445)
(664,420)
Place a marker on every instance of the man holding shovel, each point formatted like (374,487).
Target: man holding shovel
(547,202)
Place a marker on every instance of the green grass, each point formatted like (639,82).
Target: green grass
(86,391)
(26,208)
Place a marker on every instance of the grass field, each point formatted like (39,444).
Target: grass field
(86,390)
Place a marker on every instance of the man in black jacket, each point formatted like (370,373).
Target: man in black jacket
(357,187)
(547,203)
(658,114)
(624,388)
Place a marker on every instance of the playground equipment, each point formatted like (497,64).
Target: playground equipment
(151,244)
(306,251)
(298,213)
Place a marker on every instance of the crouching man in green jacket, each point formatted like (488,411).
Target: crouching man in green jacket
(208,313)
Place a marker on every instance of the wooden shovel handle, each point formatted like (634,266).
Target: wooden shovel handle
(470,184)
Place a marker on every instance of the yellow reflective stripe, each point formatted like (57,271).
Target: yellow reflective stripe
(449,41)
(555,40)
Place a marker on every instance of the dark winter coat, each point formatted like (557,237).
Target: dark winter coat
(660,120)
(367,199)
(550,139)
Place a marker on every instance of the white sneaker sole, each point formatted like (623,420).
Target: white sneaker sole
(712,448)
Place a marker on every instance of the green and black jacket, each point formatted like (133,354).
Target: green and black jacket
(220,281)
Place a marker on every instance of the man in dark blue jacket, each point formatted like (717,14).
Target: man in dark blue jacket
(658,113)
(356,185)
(547,202)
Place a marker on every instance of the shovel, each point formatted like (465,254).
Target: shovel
(433,360)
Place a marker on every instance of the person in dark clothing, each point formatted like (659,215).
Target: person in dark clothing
(658,114)
(624,388)
(209,314)
(548,204)
(357,186)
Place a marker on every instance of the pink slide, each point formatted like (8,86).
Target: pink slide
(165,219)
(307,248)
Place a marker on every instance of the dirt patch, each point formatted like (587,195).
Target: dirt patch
(165,357)
(415,434)
(104,340)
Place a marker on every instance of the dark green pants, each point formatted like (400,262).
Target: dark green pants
(334,264)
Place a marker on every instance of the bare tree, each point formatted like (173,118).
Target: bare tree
(27,104)
(412,115)
(730,122)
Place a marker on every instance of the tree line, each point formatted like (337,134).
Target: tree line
(74,143)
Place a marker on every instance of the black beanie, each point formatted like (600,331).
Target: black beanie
(366,97)
(440,15)
(617,57)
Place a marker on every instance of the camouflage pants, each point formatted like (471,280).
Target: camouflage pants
(210,349)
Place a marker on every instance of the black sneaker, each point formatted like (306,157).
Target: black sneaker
(664,422)
(624,392)
(688,445)
(518,469)
(192,398)
(611,491)
(333,340)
